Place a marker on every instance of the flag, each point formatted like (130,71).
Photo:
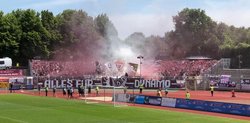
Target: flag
(119,65)
(134,65)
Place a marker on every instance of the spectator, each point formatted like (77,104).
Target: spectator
(54,91)
(97,90)
(10,87)
(141,88)
(159,93)
(188,95)
(167,69)
(89,89)
(71,92)
(125,89)
(212,90)
(166,92)
(79,90)
(46,91)
(233,93)
(64,91)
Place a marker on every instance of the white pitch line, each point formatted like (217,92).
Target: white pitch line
(12,119)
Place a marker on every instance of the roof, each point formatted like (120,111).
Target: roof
(198,58)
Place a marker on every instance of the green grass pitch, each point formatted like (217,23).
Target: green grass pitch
(17,108)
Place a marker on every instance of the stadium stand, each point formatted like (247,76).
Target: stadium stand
(164,68)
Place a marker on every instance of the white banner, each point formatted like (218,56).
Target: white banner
(168,102)
(245,86)
(122,97)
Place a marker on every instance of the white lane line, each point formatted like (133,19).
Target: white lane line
(12,119)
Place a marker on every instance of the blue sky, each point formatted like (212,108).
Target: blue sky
(152,17)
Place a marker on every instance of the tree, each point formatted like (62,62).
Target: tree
(10,34)
(137,42)
(155,47)
(32,42)
(193,31)
(105,27)
(51,24)
(79,37)
(26,34)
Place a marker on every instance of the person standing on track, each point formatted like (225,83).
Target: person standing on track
(54,91)
(39,89)
(166,92)
(233,93)
(187,95)
(97,90)
(212,90)
(89,89)
(79,90)
(71,92)
(68,91)
(125,89)
(46,91)
(10,87)
(159,93)
(83,90)
(64,91)
(141,88)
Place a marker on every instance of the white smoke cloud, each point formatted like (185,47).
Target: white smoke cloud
(149,24)
(230,12)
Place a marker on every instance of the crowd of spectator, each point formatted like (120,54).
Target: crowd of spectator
(61,68)
(177,68)
(166,68)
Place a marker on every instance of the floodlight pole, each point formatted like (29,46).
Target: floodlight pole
(140,57)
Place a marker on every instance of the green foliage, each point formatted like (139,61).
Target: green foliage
(193,32)
(32,42)
(52,36)
(79,35)
(228,43)
(10,35)
(104,26)
(197,34)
